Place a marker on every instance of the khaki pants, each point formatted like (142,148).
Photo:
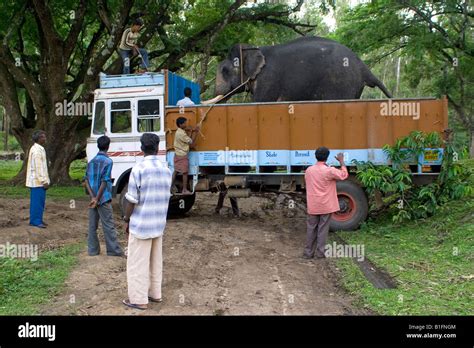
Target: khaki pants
(144,269)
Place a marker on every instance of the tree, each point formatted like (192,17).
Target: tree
(434,39)
(53,51)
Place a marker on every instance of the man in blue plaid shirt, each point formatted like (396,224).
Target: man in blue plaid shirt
(99,186)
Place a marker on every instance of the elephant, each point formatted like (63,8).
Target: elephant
(308,68)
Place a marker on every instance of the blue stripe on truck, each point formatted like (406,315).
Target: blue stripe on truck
(288,158)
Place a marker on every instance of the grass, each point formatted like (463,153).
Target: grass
(8,169)
(431,259)
(57,192)
(25,285)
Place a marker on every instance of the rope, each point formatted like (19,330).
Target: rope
(203,118)
(241,63)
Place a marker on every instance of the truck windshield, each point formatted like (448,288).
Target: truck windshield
(99,118)
(121,117)
(149,116)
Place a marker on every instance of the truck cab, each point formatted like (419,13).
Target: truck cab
(125,107)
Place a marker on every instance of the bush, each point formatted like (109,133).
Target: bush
(395,185)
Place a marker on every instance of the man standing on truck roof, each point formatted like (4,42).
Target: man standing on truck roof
(145,214)
(37,178)
(321,197)
(128,47)
(186,101)
(98,183)
(182,142)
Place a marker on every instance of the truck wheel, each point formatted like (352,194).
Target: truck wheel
(353,207)
(178,204)
(122,200)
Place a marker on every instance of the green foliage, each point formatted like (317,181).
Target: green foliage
(395,183)
(409,148)
(78,169)
(428,44)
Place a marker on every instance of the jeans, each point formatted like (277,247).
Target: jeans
(104,212)
(37,203)
(125,54)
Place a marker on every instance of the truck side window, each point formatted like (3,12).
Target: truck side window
(149,116)
(99,118)
(121,117)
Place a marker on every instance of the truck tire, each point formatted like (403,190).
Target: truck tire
(122,200)
(353,204)
(179,205)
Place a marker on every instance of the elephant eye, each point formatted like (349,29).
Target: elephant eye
(225,70)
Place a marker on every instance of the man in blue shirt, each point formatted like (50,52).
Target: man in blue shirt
(99,186)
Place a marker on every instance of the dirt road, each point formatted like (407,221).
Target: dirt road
(213,264)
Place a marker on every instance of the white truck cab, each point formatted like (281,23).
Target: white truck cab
(125,107)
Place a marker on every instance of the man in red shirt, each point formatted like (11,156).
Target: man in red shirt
(321,197)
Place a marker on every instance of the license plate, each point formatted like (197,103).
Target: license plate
(431,156)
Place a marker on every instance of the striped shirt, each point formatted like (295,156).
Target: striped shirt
(37,168)
(99,170)
(129,39)
(149,189)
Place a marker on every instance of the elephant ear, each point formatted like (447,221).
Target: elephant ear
(254,61)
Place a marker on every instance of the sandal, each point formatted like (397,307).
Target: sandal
(132,305)
(157,300)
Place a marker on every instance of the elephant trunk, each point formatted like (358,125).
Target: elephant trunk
(222,87)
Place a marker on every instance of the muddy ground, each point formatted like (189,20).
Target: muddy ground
(213,264)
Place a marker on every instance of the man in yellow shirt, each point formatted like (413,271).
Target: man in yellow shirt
(182,142)
(37,179)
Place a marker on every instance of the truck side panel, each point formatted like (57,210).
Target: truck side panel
(285,131)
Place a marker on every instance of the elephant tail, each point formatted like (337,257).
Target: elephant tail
(372,81)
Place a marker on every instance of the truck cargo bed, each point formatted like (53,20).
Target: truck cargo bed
(281,137)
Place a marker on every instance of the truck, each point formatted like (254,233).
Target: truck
(256,147)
